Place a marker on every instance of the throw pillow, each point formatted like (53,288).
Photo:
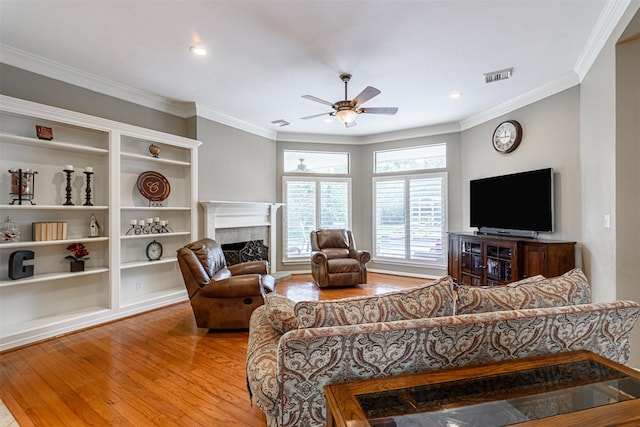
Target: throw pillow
(430,300)
(569,289)
(280,312)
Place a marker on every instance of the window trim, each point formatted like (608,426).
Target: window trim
(406,261)
(408,171)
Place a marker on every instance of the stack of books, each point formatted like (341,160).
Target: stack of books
(43,231)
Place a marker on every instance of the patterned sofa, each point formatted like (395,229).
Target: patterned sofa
(297,348)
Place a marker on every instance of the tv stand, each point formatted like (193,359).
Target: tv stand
(479,259)
(509,233)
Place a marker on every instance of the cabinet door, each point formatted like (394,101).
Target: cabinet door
(454,258)
(472,262)
(501,262)
(534,260)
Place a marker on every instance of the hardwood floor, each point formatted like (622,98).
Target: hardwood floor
(156,368)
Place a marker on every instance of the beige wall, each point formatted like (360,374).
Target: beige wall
(550,139)
(609,140)
(33,87)
(628,171)
(234,165)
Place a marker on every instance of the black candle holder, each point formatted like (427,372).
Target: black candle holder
(88,189)
(68,202)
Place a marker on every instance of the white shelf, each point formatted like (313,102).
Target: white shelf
(46,305)
(52,276)
(154,159)
(48,321)
(29,243)
(136,264)
(56,145)
(155,208)
(146,236)
(54,207)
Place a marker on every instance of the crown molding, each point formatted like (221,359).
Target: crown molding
(419,132)
(565,82)
(607,22)
(318,138)
(207,113)
(56,70)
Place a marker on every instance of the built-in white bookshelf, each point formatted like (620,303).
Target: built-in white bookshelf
(119,280)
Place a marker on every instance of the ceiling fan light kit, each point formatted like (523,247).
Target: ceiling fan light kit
(346,111)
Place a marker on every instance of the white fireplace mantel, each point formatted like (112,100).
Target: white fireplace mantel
(225,214)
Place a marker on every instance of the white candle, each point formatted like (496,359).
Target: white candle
(141,222)
(88,169)
(156,219)
(149,220)
(133,222)
(162,223)
(68,167)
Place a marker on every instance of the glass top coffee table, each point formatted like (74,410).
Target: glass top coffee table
(577,388)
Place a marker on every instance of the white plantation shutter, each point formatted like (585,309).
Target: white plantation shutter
(390,218)
(410,218)
(300,199)
(313,203)
(334,204)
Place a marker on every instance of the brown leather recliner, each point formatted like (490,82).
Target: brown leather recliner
(222,297)
(335,261)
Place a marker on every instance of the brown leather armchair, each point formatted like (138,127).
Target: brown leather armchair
(335,261)
(222,297)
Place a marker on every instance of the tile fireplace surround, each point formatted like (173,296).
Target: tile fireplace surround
(232,222)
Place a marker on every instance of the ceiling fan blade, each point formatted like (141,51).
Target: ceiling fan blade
(315,115)
(321,101)
(368,93)
(378,110)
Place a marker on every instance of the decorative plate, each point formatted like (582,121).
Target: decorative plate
(153,186)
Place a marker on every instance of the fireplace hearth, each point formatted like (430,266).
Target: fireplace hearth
(252,250)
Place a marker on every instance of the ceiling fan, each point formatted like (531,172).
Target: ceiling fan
(346,111)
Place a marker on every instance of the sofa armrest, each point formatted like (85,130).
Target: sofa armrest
(250,267)
(233,287)
(262,363)
(362,256)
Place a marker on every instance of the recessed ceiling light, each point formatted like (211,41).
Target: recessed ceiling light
(198,50)
(455,95)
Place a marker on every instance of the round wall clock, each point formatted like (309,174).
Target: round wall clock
(507,136)
(154,251)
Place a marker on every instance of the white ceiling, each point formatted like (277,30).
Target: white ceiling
(265,54)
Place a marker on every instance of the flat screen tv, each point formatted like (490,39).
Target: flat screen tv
(517,204)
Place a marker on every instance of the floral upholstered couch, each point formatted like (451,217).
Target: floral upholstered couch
(295,349)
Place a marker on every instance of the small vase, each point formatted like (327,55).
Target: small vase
(76,266)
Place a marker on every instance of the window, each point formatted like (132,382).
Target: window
(313,203)
(410,218)
(411,159)
(319,162)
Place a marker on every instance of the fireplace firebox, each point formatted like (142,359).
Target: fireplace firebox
(252,250)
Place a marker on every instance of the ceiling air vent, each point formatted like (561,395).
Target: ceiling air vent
(495,76)
(281,122)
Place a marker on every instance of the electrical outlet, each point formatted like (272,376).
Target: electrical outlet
(138,285)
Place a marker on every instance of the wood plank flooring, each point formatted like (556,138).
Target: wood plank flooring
(156,368)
